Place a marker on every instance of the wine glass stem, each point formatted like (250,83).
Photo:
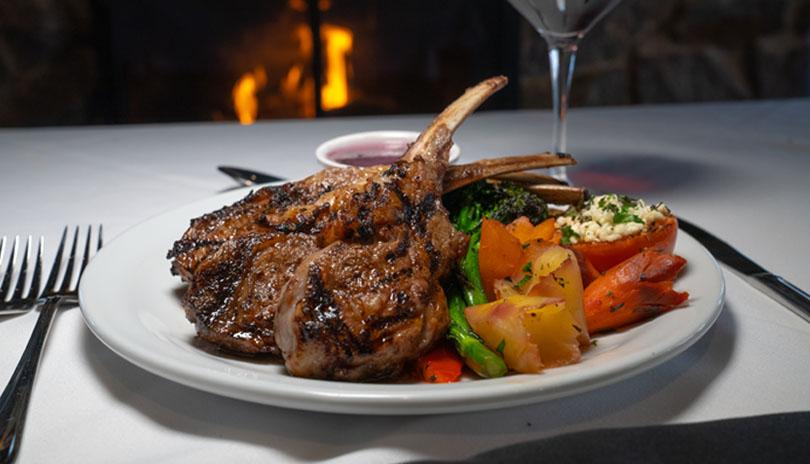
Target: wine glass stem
(562,58)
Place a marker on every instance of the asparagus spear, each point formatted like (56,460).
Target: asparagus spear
(478,357)
(473,285)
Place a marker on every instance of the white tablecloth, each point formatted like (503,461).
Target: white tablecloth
(740,170)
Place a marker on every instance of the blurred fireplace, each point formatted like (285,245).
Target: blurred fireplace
(141,61)
(187,60)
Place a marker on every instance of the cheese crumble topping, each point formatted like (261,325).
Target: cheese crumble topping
(607,218)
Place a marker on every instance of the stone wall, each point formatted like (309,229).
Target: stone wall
(48,62)
(682,51)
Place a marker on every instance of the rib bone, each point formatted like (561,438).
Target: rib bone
(461,175)
(559,194)
(530,178)
(436,139)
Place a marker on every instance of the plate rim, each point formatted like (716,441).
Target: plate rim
(376,399)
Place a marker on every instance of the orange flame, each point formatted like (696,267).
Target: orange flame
(296,87)
(244,92)
(337,44)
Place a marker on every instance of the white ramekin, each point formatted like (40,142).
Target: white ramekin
(360,138)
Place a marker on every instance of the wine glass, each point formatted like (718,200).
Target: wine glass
(562,23)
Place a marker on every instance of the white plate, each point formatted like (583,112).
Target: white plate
(130,302)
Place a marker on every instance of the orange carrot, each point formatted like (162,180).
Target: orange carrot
(526,232)
(499,254)
(638,288)
(440,365)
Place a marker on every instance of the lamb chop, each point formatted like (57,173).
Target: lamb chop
(362,309)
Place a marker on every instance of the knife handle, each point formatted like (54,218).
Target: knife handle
(791,296)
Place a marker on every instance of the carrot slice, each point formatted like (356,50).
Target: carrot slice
(500,252)
(636,289)
(523,229)
(440,365)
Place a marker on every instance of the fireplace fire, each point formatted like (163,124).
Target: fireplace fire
(338,45)
(154,61)
(245,99)
(296,86)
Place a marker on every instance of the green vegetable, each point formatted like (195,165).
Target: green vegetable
(502,201)
(526,278)
(624,216)
(481,359)
(621,214)
(567,234)
(472,285)
(505,202)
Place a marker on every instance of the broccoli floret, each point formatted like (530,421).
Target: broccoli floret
(502,201)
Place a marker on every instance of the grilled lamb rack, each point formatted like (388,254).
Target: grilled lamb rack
(338,272)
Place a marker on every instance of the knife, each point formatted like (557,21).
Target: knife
(777,287)
(246,177)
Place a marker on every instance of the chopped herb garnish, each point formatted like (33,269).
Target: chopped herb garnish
(577,328)
(527,267)
(567,234)
(613,309)
(526,278)
(627,202)
(594,342)
(525,245)
(611,208)
(623,217)
(501,346)
(603,202)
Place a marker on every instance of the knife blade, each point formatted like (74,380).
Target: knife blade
(247,177)
(777,287)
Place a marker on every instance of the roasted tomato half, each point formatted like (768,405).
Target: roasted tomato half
(660,236)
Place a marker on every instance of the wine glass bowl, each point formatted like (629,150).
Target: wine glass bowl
(562,23)
(563,19)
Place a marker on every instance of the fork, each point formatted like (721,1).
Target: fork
(14,401)
(19,300)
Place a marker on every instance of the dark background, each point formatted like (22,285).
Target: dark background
(75,62)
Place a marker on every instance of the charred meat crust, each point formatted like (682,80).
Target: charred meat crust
(248,215)
(356,320)
(233,295)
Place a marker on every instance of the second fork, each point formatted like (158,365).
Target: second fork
(15,397)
